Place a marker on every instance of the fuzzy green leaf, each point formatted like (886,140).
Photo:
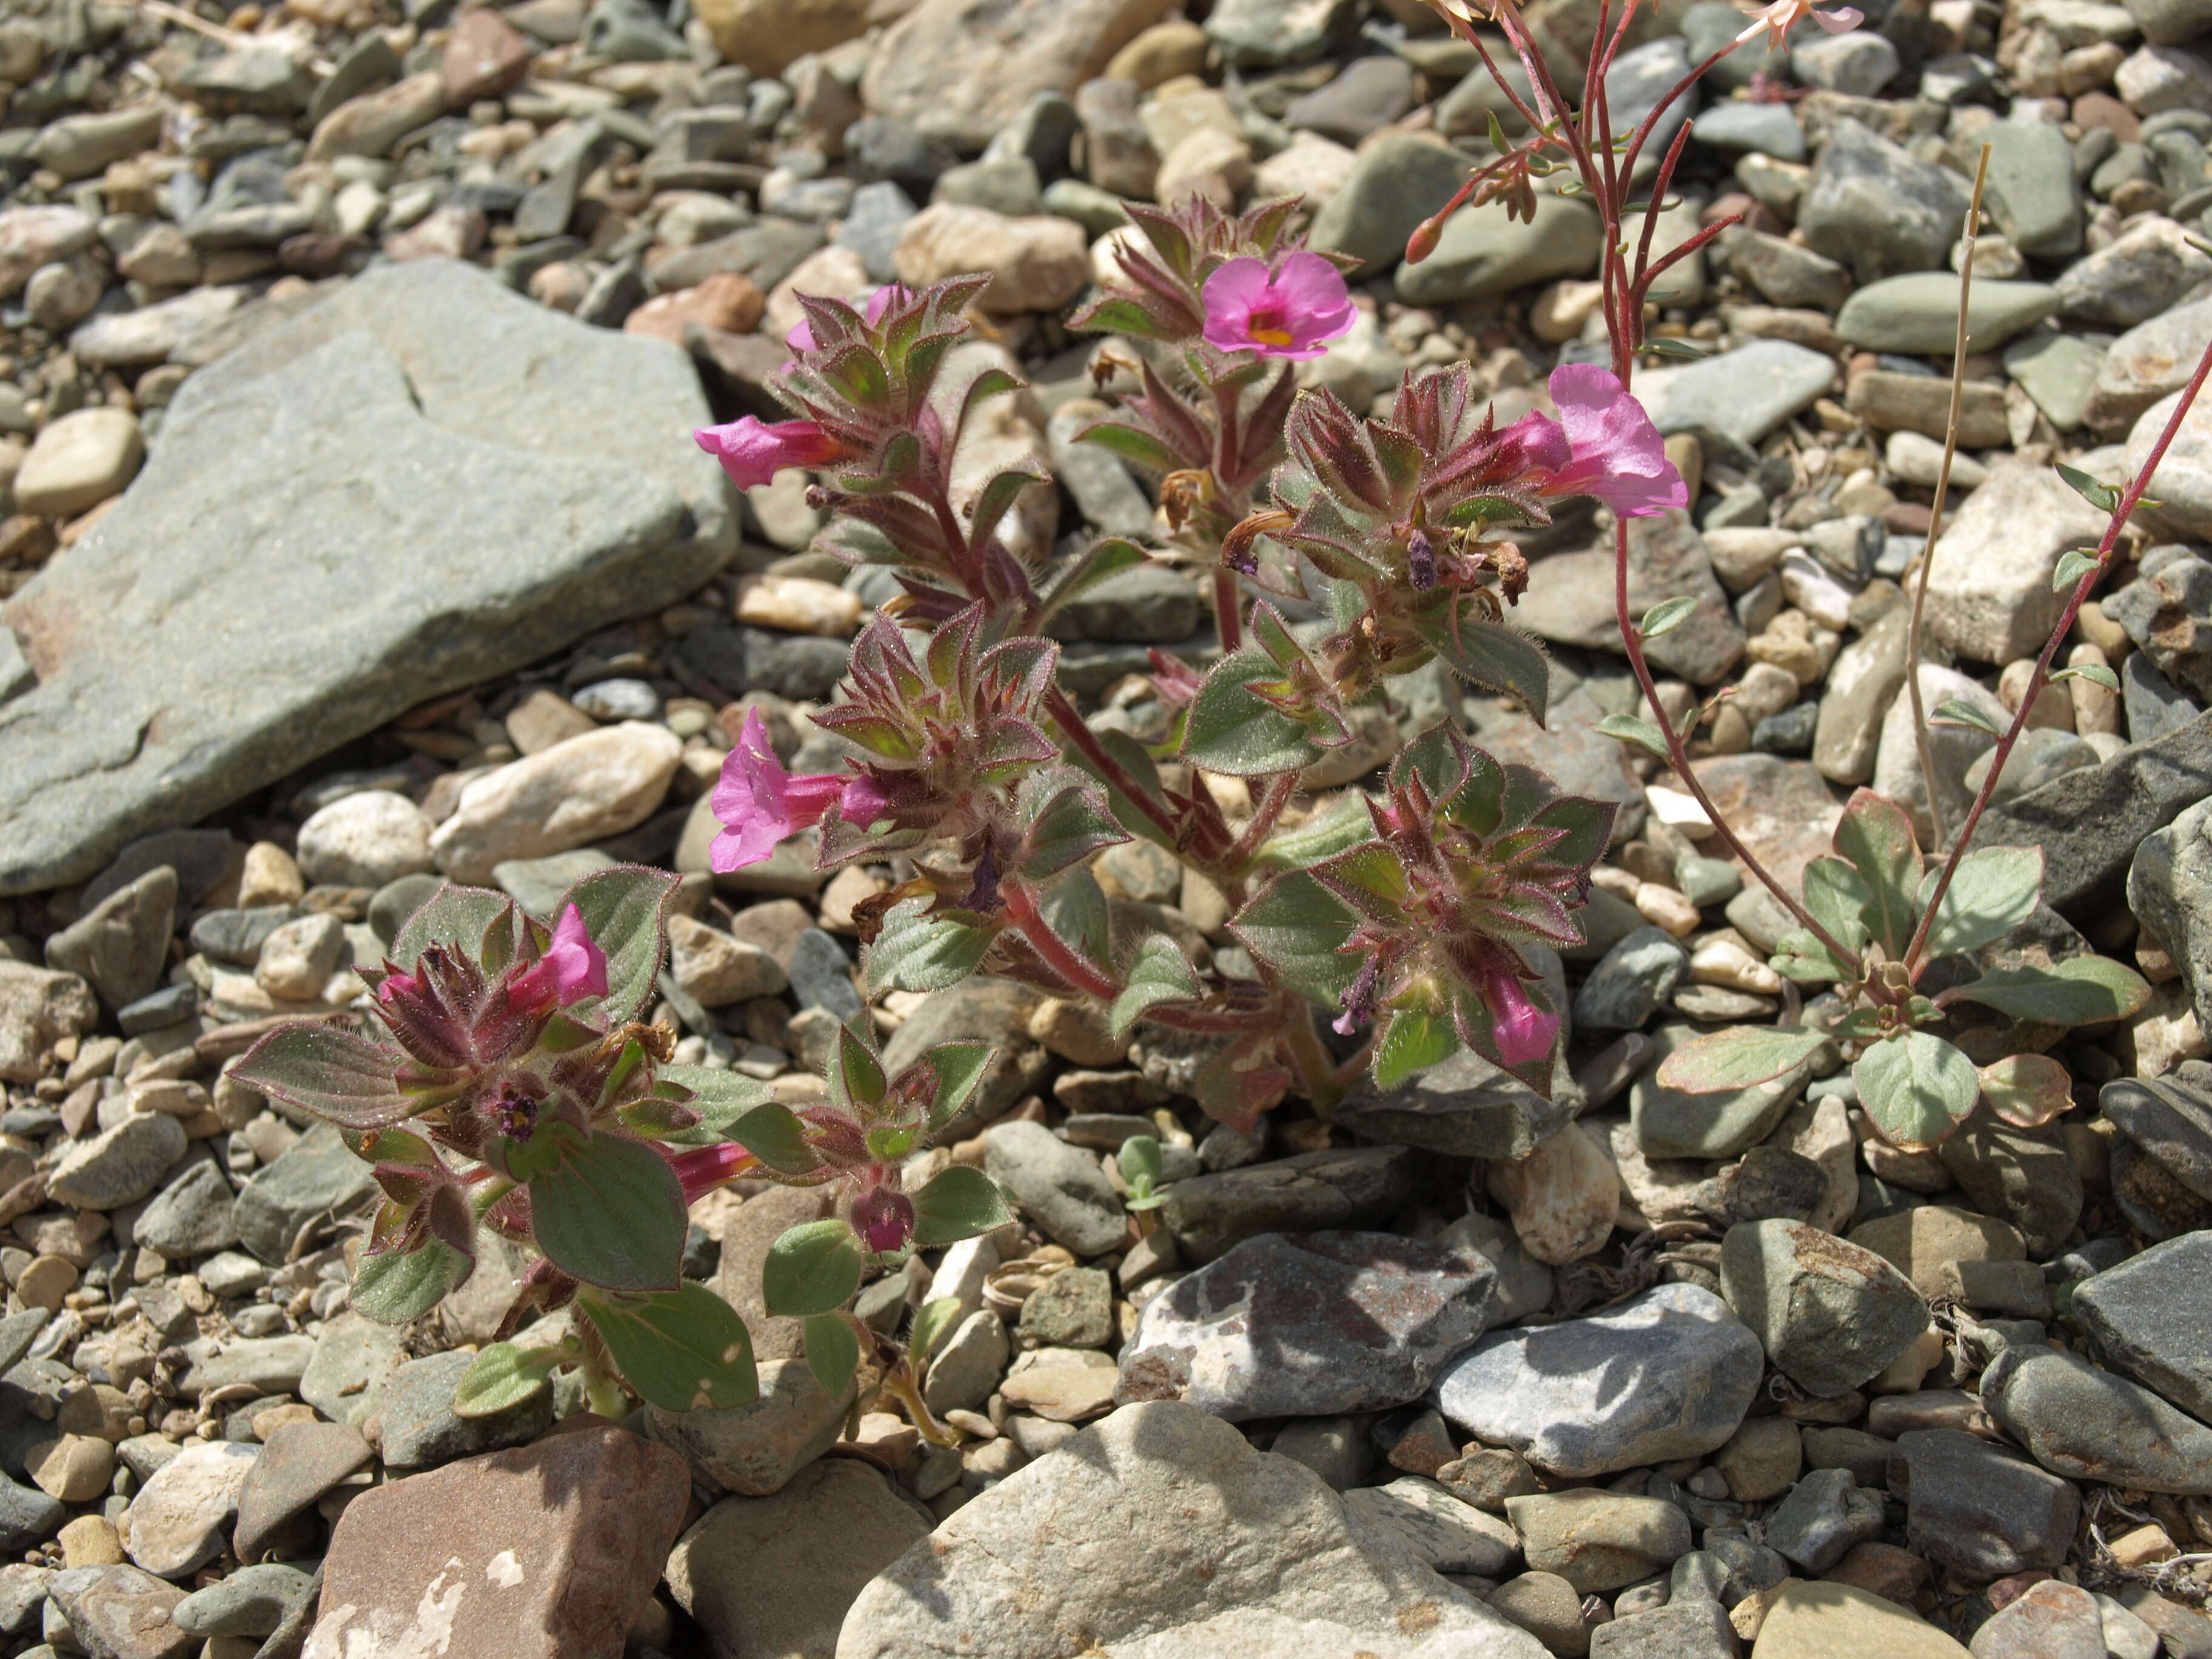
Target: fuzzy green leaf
(350,1079)
(811,1269)
(832,1353)
(2072,567)
(682,1350)
(2079,991)
(957,1203)
(1490,655)
(1741,1057)
(1799,955)
(1667,616)
(1105,558)
(503,1376)
(1230,730)
(773,1134)
(958,1069)
(856,1076)
(1642,733)
(1159,974)
(1876,836)
(393,1288)
(2105,497)
(609,1211)
(1295,926)
(933,1322)
(1067,829)
(1917,1089)
(1957,711)
(1075,909)
(1343,826)
(1992,892)
(2096,673)
(720,1098)
(1411,1039)
(918,952)
(459,917)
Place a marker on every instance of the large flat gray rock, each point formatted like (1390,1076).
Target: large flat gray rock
(422,482)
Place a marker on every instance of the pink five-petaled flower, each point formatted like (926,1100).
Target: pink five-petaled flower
(759,803)
(884,1219)
(572,968)
(1776,18)
(1522,1031)
(1293,310)
(1603,445)
(801,338)
(753,451)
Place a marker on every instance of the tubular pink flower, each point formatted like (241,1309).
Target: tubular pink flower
(1292,311)
(759,803)
(752,451)
(1615,453)
(884,1219)
(572,968)
(703,1169)
(1522,1032)
(801,338)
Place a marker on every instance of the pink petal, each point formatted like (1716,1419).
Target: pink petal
(579,967)
(1842,21)
(1230,294)
(864,801)
(1542,440)
(750,799)
(1522,1032)
(1311,290)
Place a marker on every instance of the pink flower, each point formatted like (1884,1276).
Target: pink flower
(572,968)
(1602,445)
(1522,1032)
(802,338)
(703,1169)
(759,803)
(752,451)
(1776,18)
(1293,310)
(884,1219)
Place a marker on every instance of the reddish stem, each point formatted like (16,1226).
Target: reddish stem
(2036,682)
(1086,743)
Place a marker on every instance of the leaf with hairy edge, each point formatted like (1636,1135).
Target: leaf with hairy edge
(456,916)
(351,1079)
(1295,926)
(1629,729)
(1876,836)
(958,1071)
(1411,1039)
(1075,909)
(1742,1057)
(918,952)
(625,910)
(1107,557)
(502,1376)
(856,1076)
(1917,1089)
(2079,991)
(1142,770)
(997,497)
(611,1212)
(1992,893)
(814,1268)
(1229,729)
(681,1350)
(1490,655)
(1159,974)
(773,1134)
(832,1353)
(394,1287)
(957,1203)
(2027,1091)
(933,1322)
(1345,825)
(1067,829)
(720,1098)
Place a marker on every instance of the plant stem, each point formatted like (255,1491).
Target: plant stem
(1936,516)
(1273,797)
(1316,1067)
(1063,958)
(1228,610)
(2080,597)
(1086,743)
(1678,756)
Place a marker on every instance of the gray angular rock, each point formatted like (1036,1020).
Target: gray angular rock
(1825,1513)
(1463,1106)
(118,1166)
(38,1008)
(1876,208)
(27,1516)
(121,946)
(1569,599)
(1308,1325)
(121,1612)
(2089,1424)
(417,1426)
(1673,1123)
(2168,613)
(317,1176)
(252,1601)
(1599,1540)
(1399,181)
(1740,397)
(1919,312)
(1164,1494)
(1313,1192)
(2025,1176)
(1631,981)
(1059,1187)
(1450,1536)
(1667,1374)
(1978,1508)
(1830,1314)
(1483,252)
(2151,1317)
(523,465)
(191,1216)
(2090,821)
(1691,1629)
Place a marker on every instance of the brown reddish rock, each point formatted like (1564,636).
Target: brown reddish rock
(549,1551)
(724,300)
(487,55)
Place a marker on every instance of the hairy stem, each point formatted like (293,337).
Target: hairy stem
(2075,601)
(1266,812)
(1920,735)
(1315,1066)
(1085,742)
